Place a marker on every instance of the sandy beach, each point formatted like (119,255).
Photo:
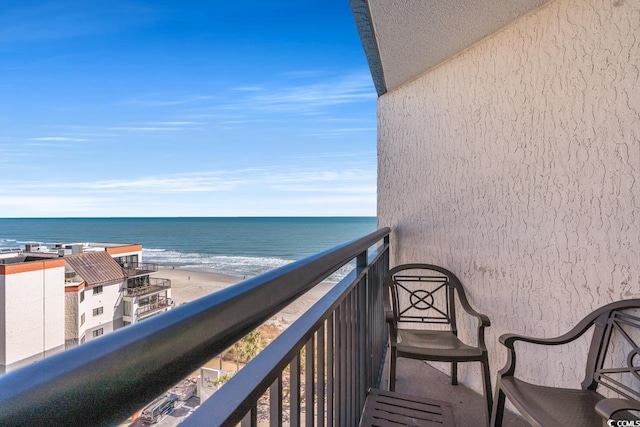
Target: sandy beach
(187,286)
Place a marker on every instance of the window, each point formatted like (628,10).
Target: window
(98,311)
(97,290)
(127,308)
(134,282)
(82,340)
(98,332)
(82,319)
(81,296)
(127,261)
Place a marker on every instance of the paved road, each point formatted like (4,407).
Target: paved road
(182,410)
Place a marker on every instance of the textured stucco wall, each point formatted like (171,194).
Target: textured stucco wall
(517,166)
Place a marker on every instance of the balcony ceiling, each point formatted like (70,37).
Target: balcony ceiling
(405,38)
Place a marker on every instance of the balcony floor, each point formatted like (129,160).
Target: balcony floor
(421,379)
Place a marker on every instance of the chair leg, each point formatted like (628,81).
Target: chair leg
(454,373)
(498,407)
(392,371)
(486,379)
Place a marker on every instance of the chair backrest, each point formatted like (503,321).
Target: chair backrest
(614,355)
(423,293)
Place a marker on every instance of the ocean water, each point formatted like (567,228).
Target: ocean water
(241,247)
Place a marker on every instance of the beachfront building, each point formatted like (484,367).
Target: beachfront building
(94,284)
(509,146)
(57,298)
(108,287)
(32,309)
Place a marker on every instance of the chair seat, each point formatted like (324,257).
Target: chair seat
(550,406)
(434,345)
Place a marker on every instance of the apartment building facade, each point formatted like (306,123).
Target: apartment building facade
(56,298)
(32,310)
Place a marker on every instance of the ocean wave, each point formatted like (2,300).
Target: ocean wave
(8,244)
(238,266)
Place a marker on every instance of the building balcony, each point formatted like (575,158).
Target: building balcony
(72,277)
(153,286)
(318,369)
(419,378)
(141,269)
(153,307)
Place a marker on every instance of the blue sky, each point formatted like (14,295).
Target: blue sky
(194,108)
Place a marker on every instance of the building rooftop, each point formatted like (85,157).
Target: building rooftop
(96,268)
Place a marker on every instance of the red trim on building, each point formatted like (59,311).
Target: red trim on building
(71,289)
(25,267)
(124,249)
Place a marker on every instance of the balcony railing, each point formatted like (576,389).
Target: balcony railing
(133,270)
(71,277)
(156,284)
(106,380)
(147,309)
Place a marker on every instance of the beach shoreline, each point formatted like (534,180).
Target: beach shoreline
(190,285)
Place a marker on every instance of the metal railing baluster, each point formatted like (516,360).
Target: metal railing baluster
(309,383)
(251,419)
(344,368)
(361,312)
(331,371)
(320,370)
(294,391)
(275,402)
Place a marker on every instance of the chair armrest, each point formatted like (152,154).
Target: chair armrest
(464,302)
(483,318)
(508,340)
(608,407)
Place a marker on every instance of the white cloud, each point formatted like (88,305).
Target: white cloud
(161,101)
(146,129)
(218,181)
(174,123)
(329,132)
(46,206)
(248,88)
(59,139)
(29,21)
(317,95)
(365,189)
(224,192)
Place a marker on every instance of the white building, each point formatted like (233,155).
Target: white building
(32,306)
(52,299)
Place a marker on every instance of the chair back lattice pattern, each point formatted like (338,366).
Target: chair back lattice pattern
(617,355)
(422,297)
